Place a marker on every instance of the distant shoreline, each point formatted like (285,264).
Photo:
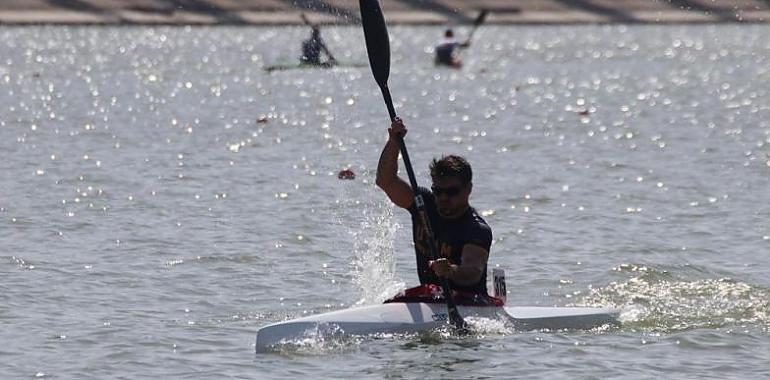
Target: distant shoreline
(259,12)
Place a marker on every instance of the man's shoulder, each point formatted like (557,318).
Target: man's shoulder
(477,231)
(427,196)
(476,220)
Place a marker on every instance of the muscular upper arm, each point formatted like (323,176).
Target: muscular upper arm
(475,256)
(399,192)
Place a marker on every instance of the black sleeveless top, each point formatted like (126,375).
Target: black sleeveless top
(450,236)
(311,51)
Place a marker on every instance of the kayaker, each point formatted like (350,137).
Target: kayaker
(462,236)
(446,50)
(313,47)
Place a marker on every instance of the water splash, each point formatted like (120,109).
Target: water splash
(654,299)
(369,220)
(320,340)
(481,327)
(374,259)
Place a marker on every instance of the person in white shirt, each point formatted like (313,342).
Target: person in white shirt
(446,50)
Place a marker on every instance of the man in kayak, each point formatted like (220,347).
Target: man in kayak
(312,49)
(446,50)
(462,236)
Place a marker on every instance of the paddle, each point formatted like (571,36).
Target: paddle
(478,21)
(306,20)
(378,48)
(332,60)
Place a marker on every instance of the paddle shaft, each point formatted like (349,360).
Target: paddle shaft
(479,20)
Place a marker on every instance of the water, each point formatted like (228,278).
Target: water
(162,197)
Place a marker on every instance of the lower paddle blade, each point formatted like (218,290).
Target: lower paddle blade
(377,42)
(461,327)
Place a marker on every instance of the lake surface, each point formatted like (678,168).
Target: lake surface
(162,196)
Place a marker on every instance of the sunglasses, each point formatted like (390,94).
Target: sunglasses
(449,191)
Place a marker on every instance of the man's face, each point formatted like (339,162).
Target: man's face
(451,196)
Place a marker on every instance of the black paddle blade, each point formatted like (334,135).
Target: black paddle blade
(461,327)
(481,17)
(377,42)
(305,19)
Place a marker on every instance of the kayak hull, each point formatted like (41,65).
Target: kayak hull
(417,316)
(557,318)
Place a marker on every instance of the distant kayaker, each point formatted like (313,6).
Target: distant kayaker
(462,237)
(446,50)
(313,47)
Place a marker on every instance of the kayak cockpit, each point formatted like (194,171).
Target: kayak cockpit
(432,293)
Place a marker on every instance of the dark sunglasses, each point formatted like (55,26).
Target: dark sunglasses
(449,191)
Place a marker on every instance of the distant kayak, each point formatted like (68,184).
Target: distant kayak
(310,66)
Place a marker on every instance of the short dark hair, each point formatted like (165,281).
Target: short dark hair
(451,166)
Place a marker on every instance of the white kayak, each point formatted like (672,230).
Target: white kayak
(408,317)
